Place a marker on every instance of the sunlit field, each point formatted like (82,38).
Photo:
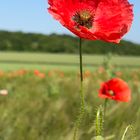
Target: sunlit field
(66,62)
(43,96)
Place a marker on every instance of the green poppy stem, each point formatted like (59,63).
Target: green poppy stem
(82,106)
(105,105)
(81,77)
(81,61)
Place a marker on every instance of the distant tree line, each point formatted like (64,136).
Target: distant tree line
(18,41)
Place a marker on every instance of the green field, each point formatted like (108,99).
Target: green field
(46,108)
(18,60)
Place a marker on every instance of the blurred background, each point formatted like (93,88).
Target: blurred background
(39,76)
(26,26)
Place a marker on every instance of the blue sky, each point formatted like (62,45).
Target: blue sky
(32,16)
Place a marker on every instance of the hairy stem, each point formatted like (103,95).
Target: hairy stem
(99,121)
(82,106)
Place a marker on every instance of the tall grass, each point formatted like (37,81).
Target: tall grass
(45,108)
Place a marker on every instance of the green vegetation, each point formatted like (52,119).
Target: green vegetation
(46,108)
(18,41)
(66,62)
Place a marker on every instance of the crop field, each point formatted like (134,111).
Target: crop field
(67,62)
(42,98)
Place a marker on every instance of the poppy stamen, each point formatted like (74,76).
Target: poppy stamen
(83,18)
(111,92)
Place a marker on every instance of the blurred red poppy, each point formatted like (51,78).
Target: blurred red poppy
(39,74)
(115,89)
(106,20)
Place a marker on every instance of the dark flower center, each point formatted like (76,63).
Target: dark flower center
(83,18)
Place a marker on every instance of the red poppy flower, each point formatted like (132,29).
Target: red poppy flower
(106,20)
(115,89)
(39,74)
